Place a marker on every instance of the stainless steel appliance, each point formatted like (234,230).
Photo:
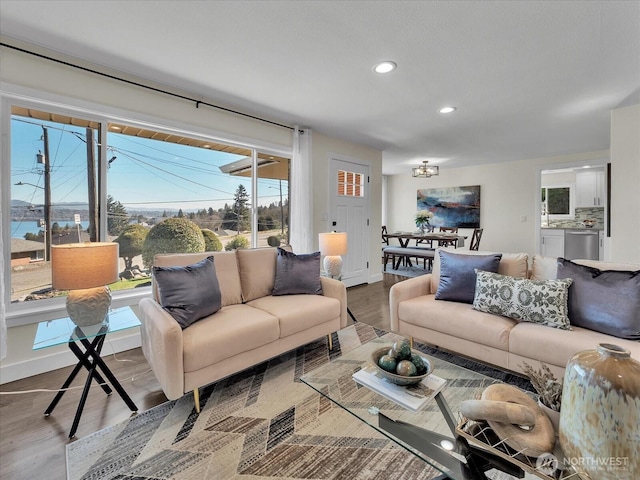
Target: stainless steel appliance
(581,243)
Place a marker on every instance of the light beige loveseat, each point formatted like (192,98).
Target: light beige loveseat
(252,326)
(494,339)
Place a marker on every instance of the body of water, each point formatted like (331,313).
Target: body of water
(19,229)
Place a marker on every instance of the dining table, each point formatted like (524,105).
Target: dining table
(405,237)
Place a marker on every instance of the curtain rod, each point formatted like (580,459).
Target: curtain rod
(142,85)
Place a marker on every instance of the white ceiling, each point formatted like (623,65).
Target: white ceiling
(530,79)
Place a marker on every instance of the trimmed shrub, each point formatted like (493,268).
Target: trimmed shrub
(131,241)
(173,235)
(273,241)
(237,242)
(211,241)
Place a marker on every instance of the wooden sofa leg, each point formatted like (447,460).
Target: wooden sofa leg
(411,342)
(330,342)
(196,399)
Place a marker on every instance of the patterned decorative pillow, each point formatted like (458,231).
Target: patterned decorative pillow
(537,301)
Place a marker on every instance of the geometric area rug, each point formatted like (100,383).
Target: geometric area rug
(261,423)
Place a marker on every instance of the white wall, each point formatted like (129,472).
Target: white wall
(42,75)
(508,196)
(625,184)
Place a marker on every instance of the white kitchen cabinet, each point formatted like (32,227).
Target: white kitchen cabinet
(601,245)
(590,188)
(552,243)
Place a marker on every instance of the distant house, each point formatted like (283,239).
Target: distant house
(24,252)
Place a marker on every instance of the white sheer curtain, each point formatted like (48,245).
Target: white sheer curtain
(3,322)
(301,193)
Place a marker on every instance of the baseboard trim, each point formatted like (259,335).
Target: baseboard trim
(47,363)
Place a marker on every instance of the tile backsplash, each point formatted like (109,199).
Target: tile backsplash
(596,213)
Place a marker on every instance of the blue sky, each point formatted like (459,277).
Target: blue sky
(145,173)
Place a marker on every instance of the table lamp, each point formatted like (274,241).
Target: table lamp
(332,246)
(85,269)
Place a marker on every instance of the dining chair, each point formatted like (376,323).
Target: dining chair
(448,243)
(475,239)
(385,239)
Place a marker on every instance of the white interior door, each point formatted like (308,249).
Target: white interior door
(348,212)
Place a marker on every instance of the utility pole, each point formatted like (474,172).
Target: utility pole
(47,196)
(91,183)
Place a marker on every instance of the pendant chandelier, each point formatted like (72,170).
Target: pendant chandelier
(425,171)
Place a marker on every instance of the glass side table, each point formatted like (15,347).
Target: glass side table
(86,344)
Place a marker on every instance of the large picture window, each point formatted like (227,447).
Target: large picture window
(67,187)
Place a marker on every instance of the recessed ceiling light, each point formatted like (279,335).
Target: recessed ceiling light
(206,145)
(447,109)
(115,127)
(385,67)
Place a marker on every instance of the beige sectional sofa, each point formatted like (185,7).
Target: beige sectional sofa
(491,338)
(252,326)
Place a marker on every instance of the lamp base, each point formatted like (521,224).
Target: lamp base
(89,306)
(333,265)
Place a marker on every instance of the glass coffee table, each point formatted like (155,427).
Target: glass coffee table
(432,433)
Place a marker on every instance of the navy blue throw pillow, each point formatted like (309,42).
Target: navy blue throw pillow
(458,276)
(297,274)
(607,301)
(189,293)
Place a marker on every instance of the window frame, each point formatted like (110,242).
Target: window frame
(24,313)
(572,193)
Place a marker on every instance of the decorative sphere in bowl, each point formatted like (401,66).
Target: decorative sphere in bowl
(403,364)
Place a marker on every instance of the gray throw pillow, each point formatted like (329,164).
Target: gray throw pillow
(458,274)
(537,301)
(607,301)
(297,274)
(189,293)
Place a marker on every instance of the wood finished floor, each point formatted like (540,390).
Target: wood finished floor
(32,447)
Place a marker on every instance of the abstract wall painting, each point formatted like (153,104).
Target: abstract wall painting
(452,206)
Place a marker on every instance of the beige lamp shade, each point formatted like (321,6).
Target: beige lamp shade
(333,243)
(84,265)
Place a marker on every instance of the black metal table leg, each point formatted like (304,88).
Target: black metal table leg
(110,376)
(83,399)
(351,315)
(91,360)
(82,361)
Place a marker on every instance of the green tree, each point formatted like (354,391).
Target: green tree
(237,242)
(117,218)
(131,241)
(55,228)
(174,235)
(180,214)
(211,241)
(211,212)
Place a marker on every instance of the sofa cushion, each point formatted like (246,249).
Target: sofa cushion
(226,271)
(230,331)
(299,312)
(607,301)
(556,347)
(189,293)
(513,264)
(458,274)
(546,268)
(537,301)
(257,271)
(458,320)
(297,274)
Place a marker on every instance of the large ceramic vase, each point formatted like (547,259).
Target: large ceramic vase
(600,415)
